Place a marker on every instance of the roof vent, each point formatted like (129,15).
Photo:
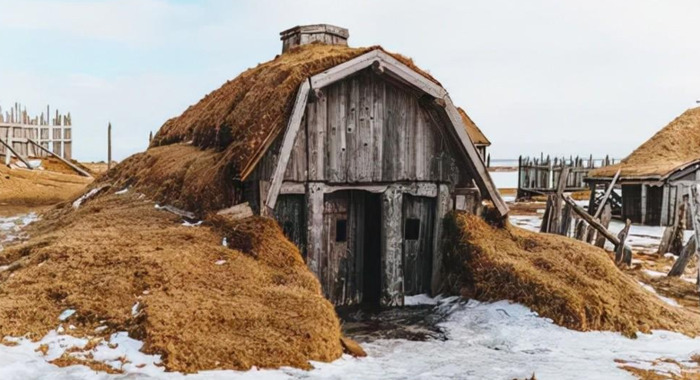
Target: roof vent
(320,33)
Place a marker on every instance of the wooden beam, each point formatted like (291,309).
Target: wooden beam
(608,191)
(392,248)
(592,222)
(9,148)
(389,65)
(605,218)
(483,178)
(70,164)
(444,206)
(290,135)
(314,230)
(341,71)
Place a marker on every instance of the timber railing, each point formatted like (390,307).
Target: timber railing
(541,175)
(17,128)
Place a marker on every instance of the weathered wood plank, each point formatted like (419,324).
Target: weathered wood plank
(482,176)
(622,257)
(290,136)
(443,207)
(314,230)
(608,191)
(392,210)
(592,222)
(605,218)
(684,258)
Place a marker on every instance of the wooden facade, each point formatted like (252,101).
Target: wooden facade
(373,158)
(654,202)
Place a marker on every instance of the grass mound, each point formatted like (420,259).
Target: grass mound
(201,305)
(22,188)
(573,283)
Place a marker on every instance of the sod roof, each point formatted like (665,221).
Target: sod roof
(474,132)
(670,149)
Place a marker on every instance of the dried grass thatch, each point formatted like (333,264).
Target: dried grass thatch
(261,307)
(573,283)
(474,132)
(672,148)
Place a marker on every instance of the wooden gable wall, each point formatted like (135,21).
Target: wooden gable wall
(367,129)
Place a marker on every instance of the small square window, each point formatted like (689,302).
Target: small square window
(412,229)
(341,230)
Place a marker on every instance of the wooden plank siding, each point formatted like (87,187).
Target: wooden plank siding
(369,129)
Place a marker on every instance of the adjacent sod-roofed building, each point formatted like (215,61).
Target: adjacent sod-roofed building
(656,176)
(356,152)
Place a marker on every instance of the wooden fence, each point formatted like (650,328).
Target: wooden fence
(541,175)
(17,127)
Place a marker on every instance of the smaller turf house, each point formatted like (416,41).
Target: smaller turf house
(356,152)
(656,176)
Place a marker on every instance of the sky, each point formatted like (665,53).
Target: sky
(563,78)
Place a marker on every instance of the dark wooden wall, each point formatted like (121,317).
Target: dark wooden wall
(417,249)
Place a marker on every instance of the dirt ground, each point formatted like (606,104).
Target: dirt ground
(124,265)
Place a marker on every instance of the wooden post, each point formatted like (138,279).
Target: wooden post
(605,222)
(620,254)
(314,228)
(555,216)
(109,146)
(566,221)
(580,230)
(684,258)
(644,204)
(392,247)
(444,203)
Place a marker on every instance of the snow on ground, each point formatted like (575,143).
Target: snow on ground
(11,227)
(497,340)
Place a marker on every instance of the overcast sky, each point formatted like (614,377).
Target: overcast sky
(560,77)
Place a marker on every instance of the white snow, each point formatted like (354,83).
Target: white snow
(651,289)
(497,340)
(420,299)
(122,191)
(188,224)
(224,242)
(79,201)
(11,227)
(66,314)
(220,262)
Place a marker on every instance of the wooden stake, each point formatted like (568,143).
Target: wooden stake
(109,146)
(605,222)
(684,258)
(620,254)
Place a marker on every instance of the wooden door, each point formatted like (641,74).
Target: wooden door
(418,220)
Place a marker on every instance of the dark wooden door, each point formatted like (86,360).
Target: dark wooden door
(418,220)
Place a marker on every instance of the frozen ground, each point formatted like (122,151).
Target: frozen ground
(485,341)
(11,227)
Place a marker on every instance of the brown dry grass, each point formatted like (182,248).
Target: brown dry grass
(671,147)
(573,283)
(22,188)
(262,307)
(474,132)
